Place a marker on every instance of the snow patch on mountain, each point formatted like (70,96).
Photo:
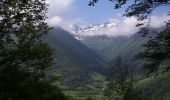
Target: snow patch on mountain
(96,27)
(110,28)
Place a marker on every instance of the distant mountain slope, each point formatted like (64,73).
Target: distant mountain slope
(111,47)
(74,61)
(107,42)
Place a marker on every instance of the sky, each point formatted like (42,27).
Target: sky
(79,11)
(68,12)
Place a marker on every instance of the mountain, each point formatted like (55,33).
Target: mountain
(74,62)
(98,38)
(111,47)
(108,46)
(92,30)
(109,23)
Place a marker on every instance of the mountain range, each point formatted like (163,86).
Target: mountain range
(107,45)
(84,55)
(78,55)
(92,30)
(74,62)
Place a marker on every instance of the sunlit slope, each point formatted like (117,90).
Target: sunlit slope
(155,87)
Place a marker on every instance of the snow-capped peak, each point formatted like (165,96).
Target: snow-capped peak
(96,27)
(79,31)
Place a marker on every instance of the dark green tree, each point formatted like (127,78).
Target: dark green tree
(157,49)
(120,80)
(24,57)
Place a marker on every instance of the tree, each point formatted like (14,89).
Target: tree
(120,81)
(24,57)
(142,9)
(157,49)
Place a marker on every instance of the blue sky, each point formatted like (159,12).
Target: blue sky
(67,13)
(83,14)
(101,12)
(78,11)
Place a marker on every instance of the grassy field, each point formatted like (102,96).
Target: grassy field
(93,89)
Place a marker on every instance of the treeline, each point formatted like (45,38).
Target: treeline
(24,57)
(123,84)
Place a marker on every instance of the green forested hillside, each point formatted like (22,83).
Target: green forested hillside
(111,47)
(81,70)
(79,66)
(74,62)
(155,87)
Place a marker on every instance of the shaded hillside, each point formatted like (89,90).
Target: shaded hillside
(155,87)
(111,47)
(75,62)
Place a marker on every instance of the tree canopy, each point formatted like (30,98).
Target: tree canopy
(24,57)
(120,80)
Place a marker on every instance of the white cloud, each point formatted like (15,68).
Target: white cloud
(58,21)
(58,7)
(56,11)
(54,21)
(127,26)
(159,21)
(124,27)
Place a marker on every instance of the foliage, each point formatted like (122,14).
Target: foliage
(24,57)
(119,84)
(152,88)
(21,27)
(160,40)
(157,50)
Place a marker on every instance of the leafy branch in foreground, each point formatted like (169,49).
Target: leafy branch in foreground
(157,50)
(24,57)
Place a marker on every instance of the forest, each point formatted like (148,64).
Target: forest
(73,50)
